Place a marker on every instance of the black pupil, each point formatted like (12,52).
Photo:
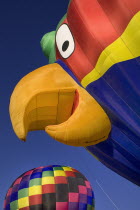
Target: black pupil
(65,46)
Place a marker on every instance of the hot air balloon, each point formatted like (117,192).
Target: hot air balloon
(90,93)
(52,188)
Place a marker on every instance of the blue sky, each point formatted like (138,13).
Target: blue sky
(22,24)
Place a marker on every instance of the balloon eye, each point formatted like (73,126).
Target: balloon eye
(65,46)
(65,41)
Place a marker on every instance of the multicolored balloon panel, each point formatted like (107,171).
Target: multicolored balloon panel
(50,187)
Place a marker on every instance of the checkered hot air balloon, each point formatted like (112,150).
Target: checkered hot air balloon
(50,188)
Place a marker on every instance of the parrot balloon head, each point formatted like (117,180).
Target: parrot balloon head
(89,94)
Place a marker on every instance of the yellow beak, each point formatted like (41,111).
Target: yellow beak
(49,99)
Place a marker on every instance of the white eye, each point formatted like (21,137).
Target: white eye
(65,41)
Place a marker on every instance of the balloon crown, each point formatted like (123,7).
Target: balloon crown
(50,187)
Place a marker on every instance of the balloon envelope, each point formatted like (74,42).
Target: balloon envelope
(96,45)
(50,187)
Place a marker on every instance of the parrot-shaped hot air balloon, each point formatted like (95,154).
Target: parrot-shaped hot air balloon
(53,187)
(90,93)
